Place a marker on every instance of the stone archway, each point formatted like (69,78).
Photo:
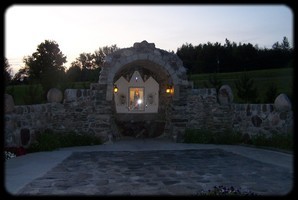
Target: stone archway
(168,62)
(165,67)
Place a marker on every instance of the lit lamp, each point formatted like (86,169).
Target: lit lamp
(115,89)
(169,90)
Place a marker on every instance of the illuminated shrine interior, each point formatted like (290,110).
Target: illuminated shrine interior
(140,99)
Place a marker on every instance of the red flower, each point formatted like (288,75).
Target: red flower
(18,151)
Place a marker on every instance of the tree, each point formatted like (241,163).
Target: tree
(73,74)
(246,89)
(46,65)
(230,57)
(285,44)
(21,76)
(187,53)
(88,64)
(276,46)
(7,72)
(85,63)
(213,81)
(100,54)
(271,93)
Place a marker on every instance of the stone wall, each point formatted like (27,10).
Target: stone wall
(261,118)
(203,109)
(82,111)
(87,111)
(178,115)
(32,118)
(207,110)
(93,110)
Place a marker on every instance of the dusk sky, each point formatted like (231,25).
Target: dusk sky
(86,28)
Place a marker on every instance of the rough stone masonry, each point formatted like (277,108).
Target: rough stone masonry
(92,111)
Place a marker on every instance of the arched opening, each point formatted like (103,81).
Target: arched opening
(141,101)
(164,68)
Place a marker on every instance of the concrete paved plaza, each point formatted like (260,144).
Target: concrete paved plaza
(149,167)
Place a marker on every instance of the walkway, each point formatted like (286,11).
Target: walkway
(149,167)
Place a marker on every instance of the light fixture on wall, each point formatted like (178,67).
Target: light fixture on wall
(115,89)
(169,89)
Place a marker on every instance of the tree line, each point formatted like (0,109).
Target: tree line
(46,65)
(230,57)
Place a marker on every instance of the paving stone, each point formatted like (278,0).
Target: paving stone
(168,172)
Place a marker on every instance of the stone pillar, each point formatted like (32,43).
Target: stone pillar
(179,116)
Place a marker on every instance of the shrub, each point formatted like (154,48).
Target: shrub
(276,140)
(50,140)
(33,94)
(271,94)
(204,136)
(45,141)
(198,136)
(213,81)
(246,89)
(228,137)
(74,139)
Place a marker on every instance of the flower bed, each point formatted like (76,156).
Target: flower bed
(11,152)
(227,191)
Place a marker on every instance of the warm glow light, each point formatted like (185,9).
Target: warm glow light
(115,89)
(170,90)
(139,101)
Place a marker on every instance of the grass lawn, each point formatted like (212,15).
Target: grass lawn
(19,92)
(281,78)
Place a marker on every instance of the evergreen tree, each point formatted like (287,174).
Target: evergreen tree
(271,94)
(246,89)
